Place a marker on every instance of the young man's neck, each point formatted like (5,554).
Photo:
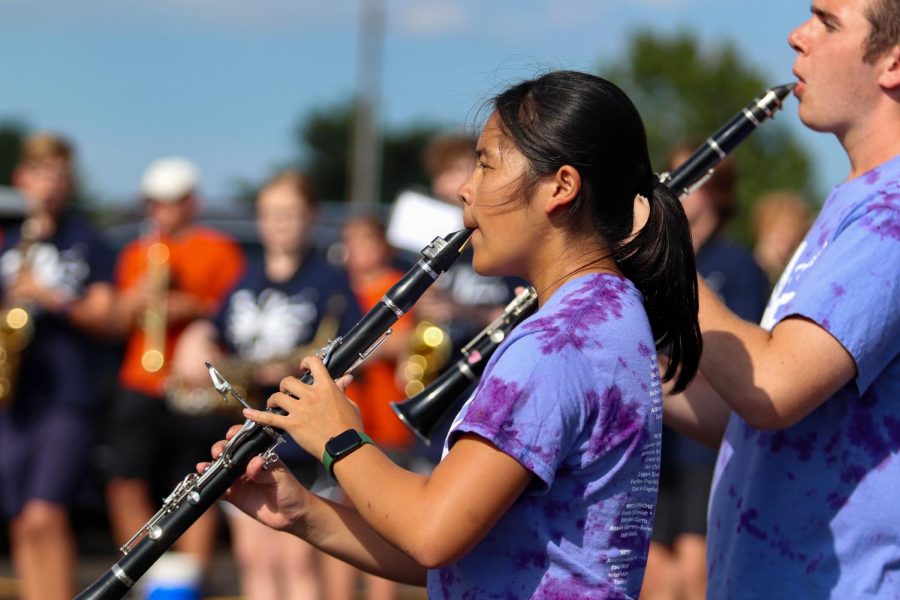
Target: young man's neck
(875,144)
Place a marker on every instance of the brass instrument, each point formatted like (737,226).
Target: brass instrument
(154,319)
(422,412)
(429,350)
(200,399)
(16,321)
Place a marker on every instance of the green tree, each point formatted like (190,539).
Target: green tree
(11,135)
(683,92)
(323,137)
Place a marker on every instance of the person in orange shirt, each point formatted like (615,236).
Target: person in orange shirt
(175,273)
(368,263)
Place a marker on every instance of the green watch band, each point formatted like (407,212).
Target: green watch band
(341,446)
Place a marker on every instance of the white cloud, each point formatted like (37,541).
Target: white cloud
(429,18)
(229,15)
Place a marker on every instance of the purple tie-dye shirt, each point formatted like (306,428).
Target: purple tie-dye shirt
(813,511)
(573,395)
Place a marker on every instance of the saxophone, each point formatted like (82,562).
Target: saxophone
(16,321)
(185,398)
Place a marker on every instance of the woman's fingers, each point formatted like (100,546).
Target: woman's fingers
(264,417)
(232,431)
(344,382)
(316,367)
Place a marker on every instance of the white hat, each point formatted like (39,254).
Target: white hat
(169,179)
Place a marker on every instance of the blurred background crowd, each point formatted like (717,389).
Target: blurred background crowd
(110,307)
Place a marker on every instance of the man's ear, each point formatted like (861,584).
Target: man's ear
(889,78)
(564,188)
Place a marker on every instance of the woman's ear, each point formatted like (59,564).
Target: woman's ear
(563,188)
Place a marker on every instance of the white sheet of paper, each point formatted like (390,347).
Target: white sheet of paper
(417,219)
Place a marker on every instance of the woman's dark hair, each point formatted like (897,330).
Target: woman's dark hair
(577,119)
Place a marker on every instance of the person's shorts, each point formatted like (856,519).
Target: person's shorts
(681,503)
(44,455)
(149,441)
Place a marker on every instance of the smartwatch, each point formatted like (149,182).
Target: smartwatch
(341,446)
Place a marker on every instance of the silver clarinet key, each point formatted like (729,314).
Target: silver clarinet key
(224,387)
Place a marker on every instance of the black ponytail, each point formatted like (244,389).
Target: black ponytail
(660,262)
(577,119)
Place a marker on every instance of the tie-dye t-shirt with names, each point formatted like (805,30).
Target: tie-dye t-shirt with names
(813,511)
(573,395)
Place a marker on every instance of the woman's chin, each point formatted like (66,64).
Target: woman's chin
(484,267)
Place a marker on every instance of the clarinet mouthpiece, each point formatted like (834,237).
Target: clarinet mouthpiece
(442,252)
(783,91)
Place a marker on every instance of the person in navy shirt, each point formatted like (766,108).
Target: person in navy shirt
(57,268)
(677,559)
(287,305)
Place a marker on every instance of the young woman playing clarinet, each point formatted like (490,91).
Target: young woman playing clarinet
(549,475)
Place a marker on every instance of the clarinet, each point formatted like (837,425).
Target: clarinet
(700,165)
(424,411)
(196,493)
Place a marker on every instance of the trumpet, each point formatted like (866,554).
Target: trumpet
(424,411)
(154,320)
(429,348)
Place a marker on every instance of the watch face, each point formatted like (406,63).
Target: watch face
(343,443)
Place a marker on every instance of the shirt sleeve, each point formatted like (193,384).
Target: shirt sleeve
(528,406)
(853,291)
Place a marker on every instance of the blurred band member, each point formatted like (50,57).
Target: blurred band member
(368,262)
(285,303)
(176,272)
(676,564)
(780,220)
(56,268)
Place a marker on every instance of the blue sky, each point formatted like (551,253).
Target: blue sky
(225,81)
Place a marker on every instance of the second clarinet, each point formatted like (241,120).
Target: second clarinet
(424,411)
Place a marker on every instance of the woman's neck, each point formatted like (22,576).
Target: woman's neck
(561,262)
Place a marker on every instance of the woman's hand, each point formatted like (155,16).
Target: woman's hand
(315,412)
(271,495)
